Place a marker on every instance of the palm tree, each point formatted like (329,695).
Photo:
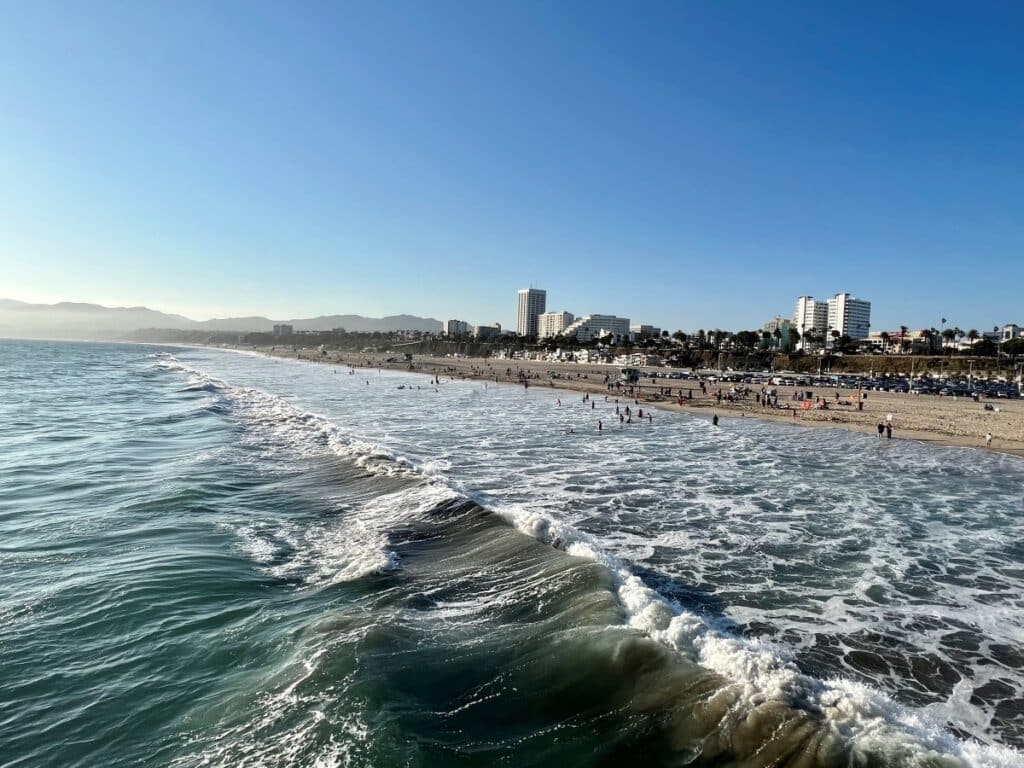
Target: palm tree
(948,335)
(885,341)
(927,335)
(903,339)
(777,333)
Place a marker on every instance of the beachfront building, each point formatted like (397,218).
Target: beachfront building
(1011,331)
(810,319)
(553,323)
(283,329)
(849,316)
(456,328)
(590,327)
(638,360)
(592,356)
(533,302)
(487,331)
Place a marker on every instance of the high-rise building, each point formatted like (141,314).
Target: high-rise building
(532,304)
(848,315)
(553,323)
(283,329)
(810,317)
(456,328)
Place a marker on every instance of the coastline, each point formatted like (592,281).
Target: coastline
(914,417)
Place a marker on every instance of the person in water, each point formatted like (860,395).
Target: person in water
(888,430)
(714,420)
(881,429)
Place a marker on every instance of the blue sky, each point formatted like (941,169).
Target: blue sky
(685,164)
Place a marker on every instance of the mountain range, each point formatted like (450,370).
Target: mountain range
(93,321)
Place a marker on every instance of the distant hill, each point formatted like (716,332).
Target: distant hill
(73,320)
(325,323)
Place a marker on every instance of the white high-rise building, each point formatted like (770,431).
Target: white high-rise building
(850,316)
(596,326)
(532,304)
(810,316)
(553,323)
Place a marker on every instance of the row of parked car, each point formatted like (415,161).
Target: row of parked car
(945,387)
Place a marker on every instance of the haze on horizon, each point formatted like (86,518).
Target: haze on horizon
(694,165)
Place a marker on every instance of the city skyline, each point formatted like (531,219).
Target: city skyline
(716,161)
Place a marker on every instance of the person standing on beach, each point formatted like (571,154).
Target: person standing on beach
(988,439)
(881,429)
(888,430)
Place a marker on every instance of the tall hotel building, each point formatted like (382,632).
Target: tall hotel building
(850,316)
(532,304)
(810,315)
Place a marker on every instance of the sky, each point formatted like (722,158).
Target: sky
(685,164)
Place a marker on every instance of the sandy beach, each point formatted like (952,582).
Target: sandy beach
(947,421)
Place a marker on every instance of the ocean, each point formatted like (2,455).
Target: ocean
(211,558)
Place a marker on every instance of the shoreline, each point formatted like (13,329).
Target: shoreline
(908,411)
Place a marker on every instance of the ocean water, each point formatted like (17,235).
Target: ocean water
(210,558)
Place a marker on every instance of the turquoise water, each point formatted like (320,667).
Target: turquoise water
(211,558)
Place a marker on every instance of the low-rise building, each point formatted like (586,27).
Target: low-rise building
(487,331)
(1011,331)
(592,356)
(781,332)
(639,360)
(645,331)
(913,342)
